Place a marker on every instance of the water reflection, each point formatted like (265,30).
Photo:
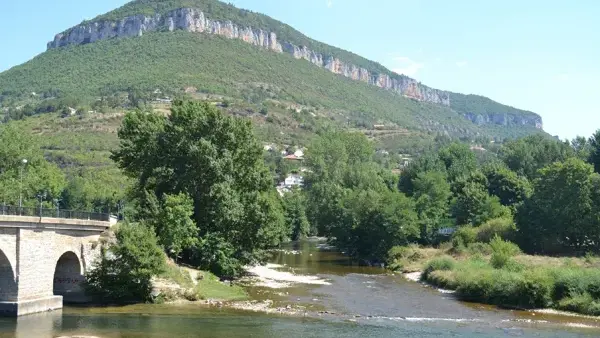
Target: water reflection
(315,257)
(35,325)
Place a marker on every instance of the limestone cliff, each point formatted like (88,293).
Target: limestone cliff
(504,119)
(194,20)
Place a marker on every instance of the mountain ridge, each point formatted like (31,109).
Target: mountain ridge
(195,21)
(144,16)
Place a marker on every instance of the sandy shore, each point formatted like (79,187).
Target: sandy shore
(416,277)
(269,276)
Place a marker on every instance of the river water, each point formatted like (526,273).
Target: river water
(335,298)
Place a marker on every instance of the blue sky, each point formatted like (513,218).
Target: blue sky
(542,56)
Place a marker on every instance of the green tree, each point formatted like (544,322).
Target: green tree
(294,204)
(474,206)
(594,151)
(174,225)
(375,222)
(338,162)
(458,159)
(27,179)
(325,209)
(527,155)
(217,161)
(429,161)
(432,196)
(582,147)
(562,213)
(124,273)
(509,187)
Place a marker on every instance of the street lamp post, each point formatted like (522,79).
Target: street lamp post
(41,196)
(57,202)
(24,161)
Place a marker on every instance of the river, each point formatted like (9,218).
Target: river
(336,298)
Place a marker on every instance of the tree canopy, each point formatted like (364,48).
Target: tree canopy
(215,160)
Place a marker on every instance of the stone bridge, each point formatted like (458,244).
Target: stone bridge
(43,261)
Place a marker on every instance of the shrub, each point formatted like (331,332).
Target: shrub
(398,256)
(408,252)
(443,279)
(217,255)
(479,248)
(537,288)
(502,252)
(474,284)
(458,246)
(512,265)
(505,288)
(465,235)
(503,227)
(125,270)
(576,281)
(437,264)
(445,246)
(581,303)
(589,258)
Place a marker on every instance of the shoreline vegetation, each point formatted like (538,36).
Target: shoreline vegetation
(212,205)
(535,196)
(181,283)
(524,282)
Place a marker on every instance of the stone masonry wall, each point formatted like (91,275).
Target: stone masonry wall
(8,264)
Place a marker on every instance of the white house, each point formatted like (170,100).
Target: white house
(446,231)
(404,162)
(293,180)
(299,153)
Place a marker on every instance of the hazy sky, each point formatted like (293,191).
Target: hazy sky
(539,55)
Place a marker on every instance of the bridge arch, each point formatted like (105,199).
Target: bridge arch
(8,283)
(68,277)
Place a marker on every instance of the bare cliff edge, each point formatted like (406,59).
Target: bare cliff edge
(194,20)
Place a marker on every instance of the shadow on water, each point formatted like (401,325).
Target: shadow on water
(316,257)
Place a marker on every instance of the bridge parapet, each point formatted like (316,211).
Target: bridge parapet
(50,223)
(9,210)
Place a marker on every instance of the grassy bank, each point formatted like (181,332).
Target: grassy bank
(498,274)
(178,283)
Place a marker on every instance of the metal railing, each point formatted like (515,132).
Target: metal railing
(9,210)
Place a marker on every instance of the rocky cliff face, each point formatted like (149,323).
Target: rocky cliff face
(193,20)
(505,119)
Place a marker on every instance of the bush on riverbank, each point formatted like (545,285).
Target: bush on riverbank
(518,285)
(443,263)
(125,270)
(193,285)
(408,258)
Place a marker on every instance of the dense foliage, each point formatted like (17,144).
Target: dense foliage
(354,201)
(542,184)
(217,162)
(294,206)
(24,172)
(124,272)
